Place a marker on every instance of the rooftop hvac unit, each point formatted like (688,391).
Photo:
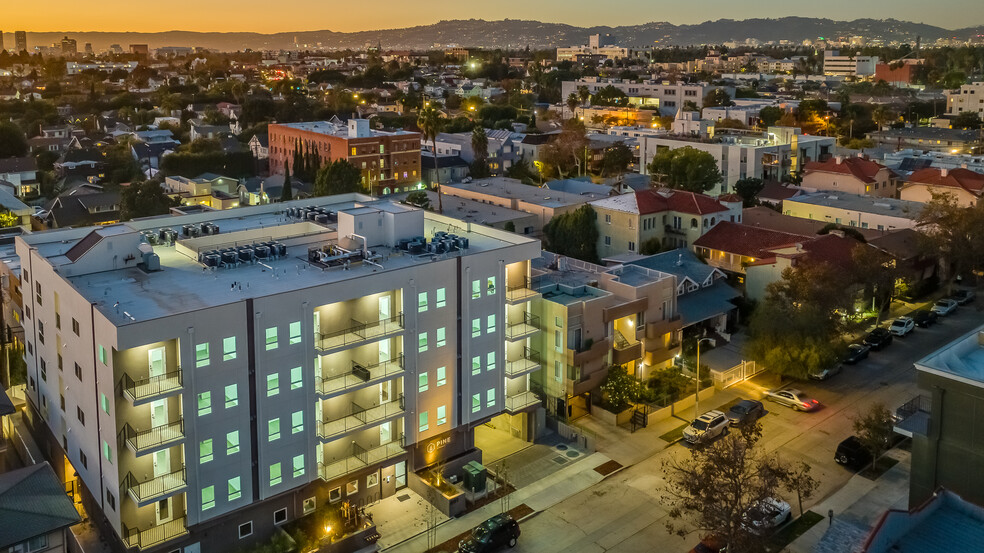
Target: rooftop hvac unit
(246,254)
(416,248)
(262,252)
(279,249)
(152,261)
(229,258)
(322,218)
(403,244)
(212,260)
(196,231)
(311,215)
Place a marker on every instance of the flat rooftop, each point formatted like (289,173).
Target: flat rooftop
(504,187)
(866,204)
(131,294)
(961,359)
(336,129)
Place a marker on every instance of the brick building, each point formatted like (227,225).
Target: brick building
(389,161)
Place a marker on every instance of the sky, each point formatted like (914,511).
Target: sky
(265,16)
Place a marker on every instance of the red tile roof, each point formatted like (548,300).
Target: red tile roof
(829,249)
(746,240)
(861,168)
(970,181)
(665,199)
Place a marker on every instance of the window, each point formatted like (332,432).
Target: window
(422,302)
(271,338)
(490,324)
(296,422)
(273,384)
(104,402)
(111,499)
(476,289)
(75,327)
(608,240)
(204,403)
(476,327)
(352,487)
(309,505)
(245,529)
(80,414)
(296,378)
(441,301)
(229,348)
(280,516)
(37,286)
(232,442)
(298,465)
(235,489)
(557,371)
(205,451)
(422,342)
(231,395)
(102,355)
(422,382)
(441,337)
(423,422)
(107,452)
(490,286)
(44,371)
(41,331)
(275,477)
(442,376)
(476,365)
(201,355)
(476,402)
(608,218)
(335,494)
(490,398)
(490,361)
(294,333)
(558,341)
(631,246)
(208,497)
(441,415)
(78,370)
(273,430)
(83,459)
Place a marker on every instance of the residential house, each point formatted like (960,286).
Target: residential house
(200,129)
(149,154)
(851,175)
(86,163)
(834,249)
(503,150)
(214,191)
(10,204)
(82,205)
(259,145)
(915,267)
(443,169)
(21,173)
(964,185)
(36,514)
(732,247)
(855,211)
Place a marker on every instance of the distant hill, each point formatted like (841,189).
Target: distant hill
(512,33)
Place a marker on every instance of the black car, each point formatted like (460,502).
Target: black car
(855,353)
(851,453)
(746,410)
(963,296)
(491,535)
(878,338)
(925,318)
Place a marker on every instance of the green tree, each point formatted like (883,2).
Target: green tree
(338,177)
(770,115)
(572,103)
(685,168)
(968,120)
(619,388)
(509,226)
(567,152)
(874,430)
(430,122)
(144,199)
(13,143)
(287,193)
(616,159)
(953,233)
(748,188)
(418,198)
(574,234)
(610,96)
(716,98)
(650,246)
(480,146)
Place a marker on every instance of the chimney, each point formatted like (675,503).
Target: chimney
(944,173)
(838,159)
(680,260)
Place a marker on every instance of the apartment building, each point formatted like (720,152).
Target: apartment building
(594,317)
(213,375)
(965,186)
(852,210)
(969,97)
(667,97)
(929,139)
(599,47)
(389,161)
(852,175)
(847,65)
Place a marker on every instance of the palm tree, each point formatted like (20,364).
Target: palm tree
(480,145)
(572,102)
(430,123)
(583,94)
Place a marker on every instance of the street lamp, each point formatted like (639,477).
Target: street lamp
(697,393)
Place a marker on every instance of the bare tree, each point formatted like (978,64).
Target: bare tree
(874,429)
(798,479)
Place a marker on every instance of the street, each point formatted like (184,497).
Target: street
(624,513)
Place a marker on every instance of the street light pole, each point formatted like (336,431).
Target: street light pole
(697,374)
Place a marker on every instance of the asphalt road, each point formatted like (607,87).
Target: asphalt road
(625,512)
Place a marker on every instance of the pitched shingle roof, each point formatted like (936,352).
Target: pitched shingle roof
(17,164)
(32,503)
(966,179)
(859,167)
(745,240)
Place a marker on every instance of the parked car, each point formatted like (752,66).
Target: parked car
(855,353)
(746,410)
(767,515)
(902,326)
(794,398)
(491,535)
(824,374)
(964,296)
(878,338)
(852,453)
(710,544)
(944,307)
(706,427)
(924,318)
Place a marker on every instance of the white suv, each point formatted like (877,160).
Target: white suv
(706,427)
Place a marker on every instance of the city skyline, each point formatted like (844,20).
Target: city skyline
(111,16)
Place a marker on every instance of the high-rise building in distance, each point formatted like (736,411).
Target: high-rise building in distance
(69,47)
(20,41)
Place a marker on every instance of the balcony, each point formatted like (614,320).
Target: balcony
(153,489)
(520,292)
(360,459)
(529,362)
(142,442)
(360,418)
(597,350)
(150,388)
(529,326)
(358,332)
(627,353)
(913,416)
(157,533)
(521,401)
(658,329)
(360,376)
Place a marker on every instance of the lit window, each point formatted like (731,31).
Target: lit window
(296,378)
(295,333)
(422,382)
(271,338)
(107,452)
(275,477)
(476,327)
(102,355)
(204,403)
(476,289)
(442,376)
(229,348)
(235,488)
(273,430)
(422,342)
(441,337)
(205,451)
(441,301)
(296,422)
(201,355)
(273,384)
(490,324)
(232,442)
(490,286)
(423,421)
(298,462)
(208,497)
(422,302)
(441,415)
(231,395)
(490,398)
(476,365)
(476,402)
(490,361)
(104,402)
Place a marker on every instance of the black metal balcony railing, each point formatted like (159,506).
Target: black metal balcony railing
(359,331)
(529,361)
(359,375)
(153,488)
(142,441)
(913,416)
(529,325)
(154,534)
(358,457)
(151,386)
(360,417)
(521,292)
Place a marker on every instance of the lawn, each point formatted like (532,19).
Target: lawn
(673,435)
(788,534)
